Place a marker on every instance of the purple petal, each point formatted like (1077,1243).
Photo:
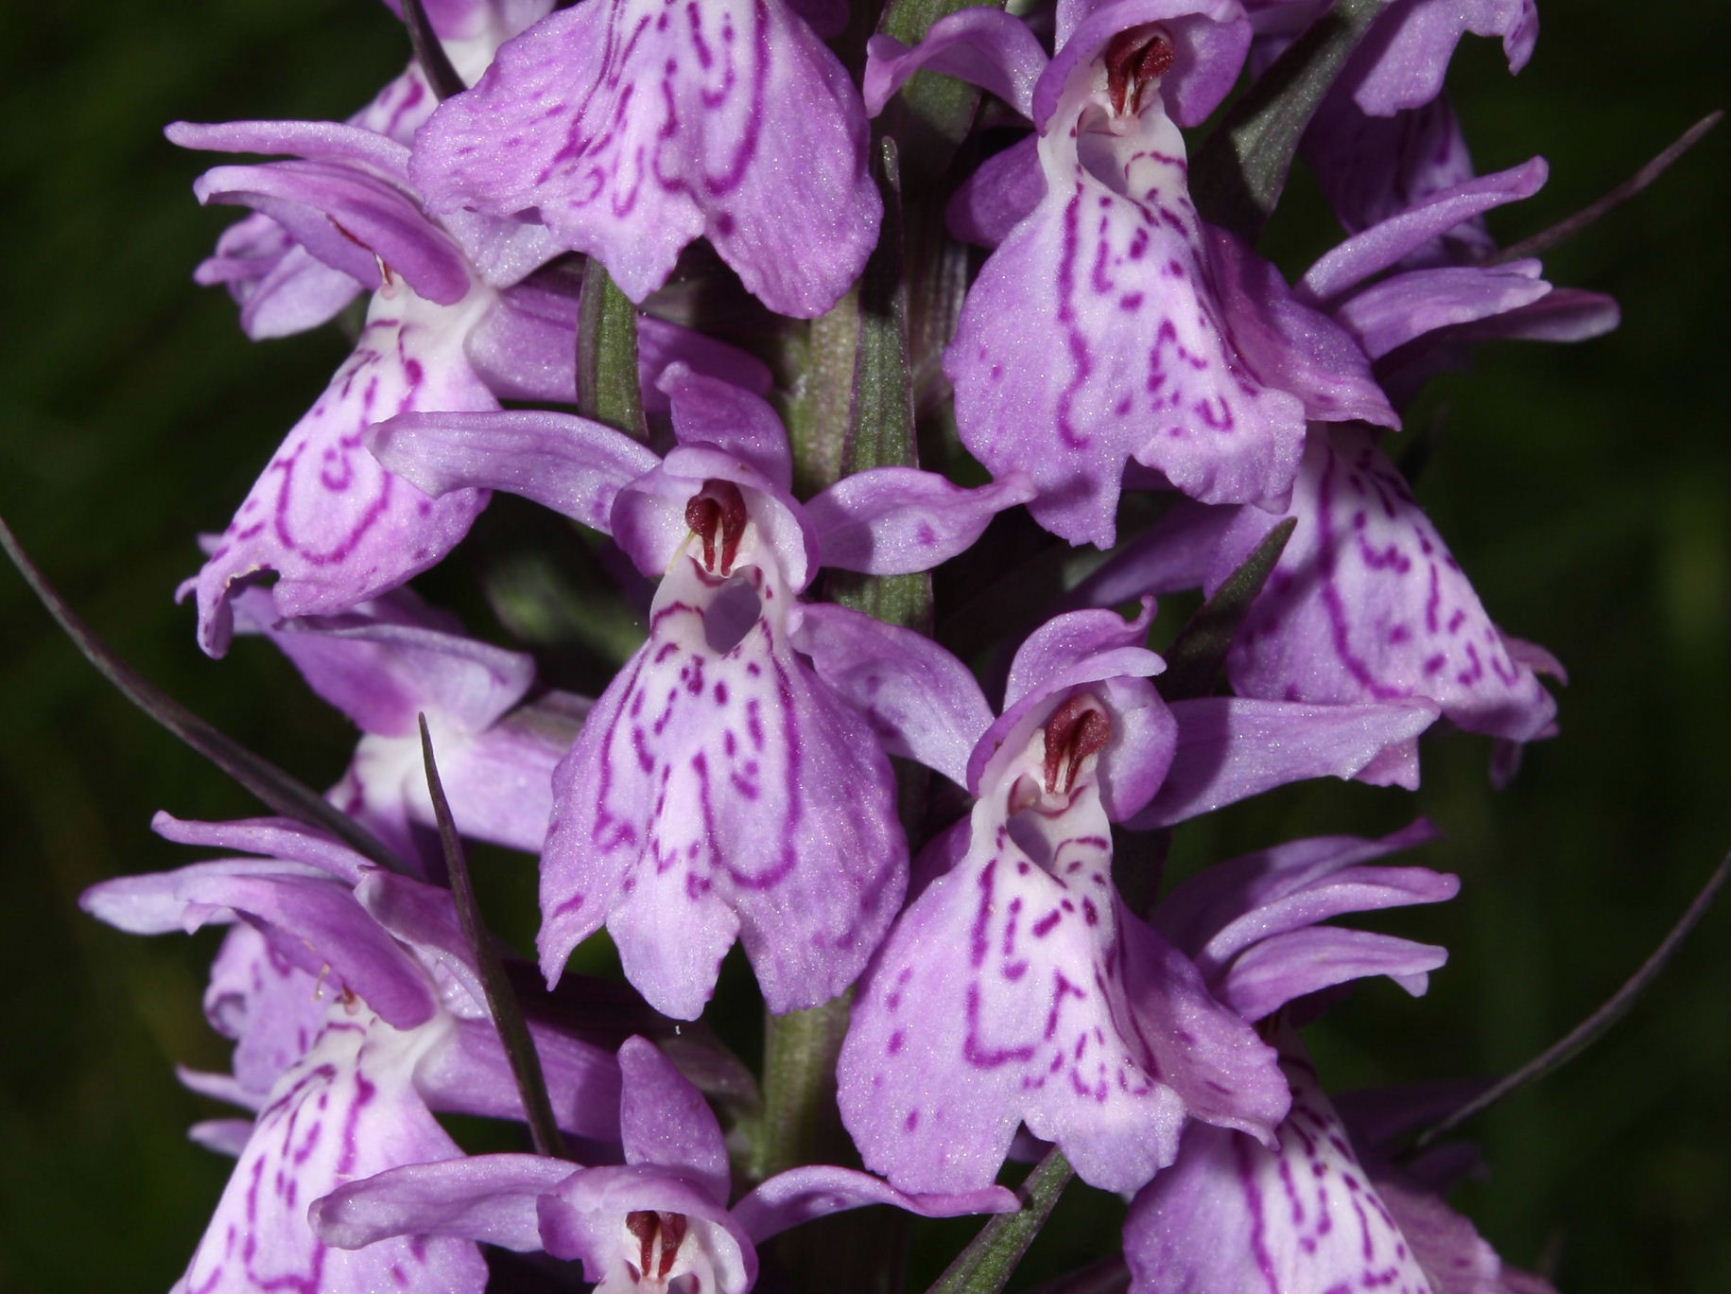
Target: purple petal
(1373,168)
(922,702)
(348,219)
(1408,50)
(1209,41)
(1391,313)
(720,415)
(634,130)
(1387,243)
(1296,1218)
(1562,315)
(281,287)
(271,1008)
(381,674)
(664,1121)
(985,47)
(1289,345)
(997,197)
(1176,553)
(486,1198)
(274,838)
(1287,966)
(1219,912)
(347,1110)
(336,527)
(818,1190)
(471,1075)
(223,1136)
(719,787)
(896,520)
(317,141)
(1230,748)
(570,464)
(1367,604)
(316,924)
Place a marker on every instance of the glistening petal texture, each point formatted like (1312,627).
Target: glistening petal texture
(720,786)
(1367,604)
(1297,1218)
(334,526)
(984,46)
(346,1111)
(635,126)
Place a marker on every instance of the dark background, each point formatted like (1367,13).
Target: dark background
(1584,488)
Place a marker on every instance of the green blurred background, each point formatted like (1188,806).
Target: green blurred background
(1584,488)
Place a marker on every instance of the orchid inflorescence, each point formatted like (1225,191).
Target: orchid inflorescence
(828,299)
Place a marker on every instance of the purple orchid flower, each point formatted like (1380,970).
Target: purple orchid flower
(1365,604)
(632,127)
(732,780)
(357,1012)
(280,286)
(1111,326)
(388,662)
(334,527)
(1018,987)
(658,1222)
(1313,1212)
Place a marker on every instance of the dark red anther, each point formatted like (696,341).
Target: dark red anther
(1134,60)
(717,513)
(1076,730)
(659,1236)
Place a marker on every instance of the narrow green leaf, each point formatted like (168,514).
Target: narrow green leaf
(1193,662)
(990,1259)
(608,387)
(429,53)
(278,789)
(881,423)
(1594,1026)
(1238,174)
(501,998)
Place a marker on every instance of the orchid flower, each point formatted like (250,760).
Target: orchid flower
(658,1222)
(1018,988)
(632,127)
(1111,326)
(440,336)
(358,1011)
(1312,1212)
(280,286)
(388,662)
(732,781)
(1365,604)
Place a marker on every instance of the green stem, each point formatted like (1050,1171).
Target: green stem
(991,1257)
(608,388)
